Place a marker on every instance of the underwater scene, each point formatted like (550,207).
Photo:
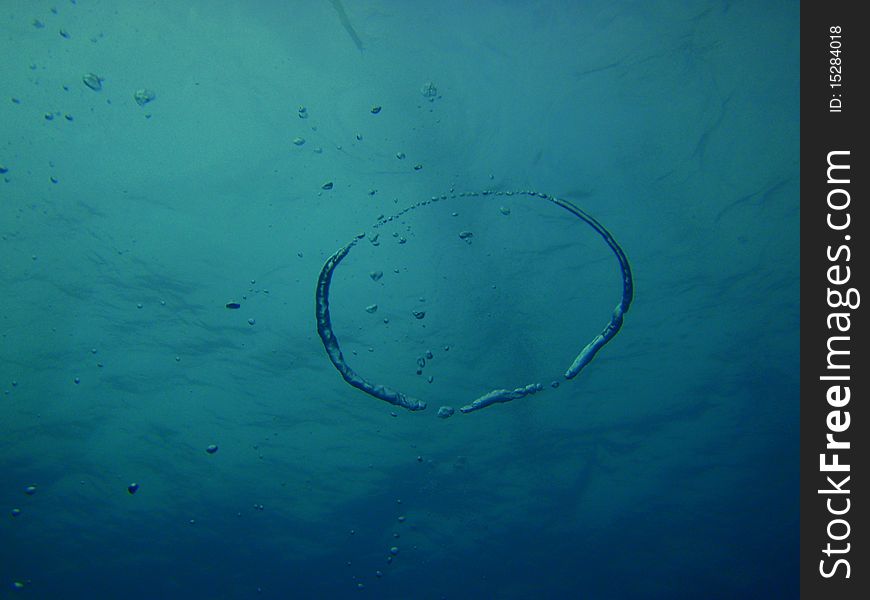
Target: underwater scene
(399,299)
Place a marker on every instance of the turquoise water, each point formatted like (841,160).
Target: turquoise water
(666,469)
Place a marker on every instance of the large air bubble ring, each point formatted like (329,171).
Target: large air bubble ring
(382,392)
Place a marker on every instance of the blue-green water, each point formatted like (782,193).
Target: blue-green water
(666,469)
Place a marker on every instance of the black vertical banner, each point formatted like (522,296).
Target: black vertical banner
(834,367)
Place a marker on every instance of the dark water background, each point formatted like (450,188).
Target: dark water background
(668,469)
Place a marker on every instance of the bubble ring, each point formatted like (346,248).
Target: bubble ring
(387,394)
